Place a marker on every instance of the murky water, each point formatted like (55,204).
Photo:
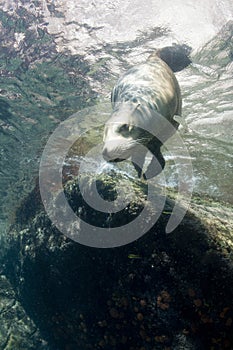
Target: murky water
(58,57)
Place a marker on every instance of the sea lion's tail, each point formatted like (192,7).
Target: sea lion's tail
(176,57)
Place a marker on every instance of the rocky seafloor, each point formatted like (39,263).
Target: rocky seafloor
(162,291)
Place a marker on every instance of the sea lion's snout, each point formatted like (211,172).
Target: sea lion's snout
(116,146)
(111,158)
(106,155)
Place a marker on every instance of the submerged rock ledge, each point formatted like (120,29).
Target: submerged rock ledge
(162,291)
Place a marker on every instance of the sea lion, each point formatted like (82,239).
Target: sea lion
(146,98)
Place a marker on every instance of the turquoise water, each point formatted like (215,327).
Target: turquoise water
(34,97)
(40,87)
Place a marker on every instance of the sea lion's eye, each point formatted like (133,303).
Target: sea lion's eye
(124,130)
(125,127)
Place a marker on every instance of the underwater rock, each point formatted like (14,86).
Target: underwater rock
(162,290)
(17,330)
(221,50)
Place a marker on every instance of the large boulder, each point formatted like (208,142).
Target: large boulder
(162,291)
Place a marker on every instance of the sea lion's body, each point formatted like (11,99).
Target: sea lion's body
(144,100)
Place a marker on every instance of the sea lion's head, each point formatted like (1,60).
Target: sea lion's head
(121,136)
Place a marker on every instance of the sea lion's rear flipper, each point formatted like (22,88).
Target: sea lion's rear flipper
(155,167)
(176,56)
(178,119)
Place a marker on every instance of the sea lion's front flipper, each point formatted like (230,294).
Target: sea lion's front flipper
(138,159)
(155,167)
(182,124)
(178,119)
